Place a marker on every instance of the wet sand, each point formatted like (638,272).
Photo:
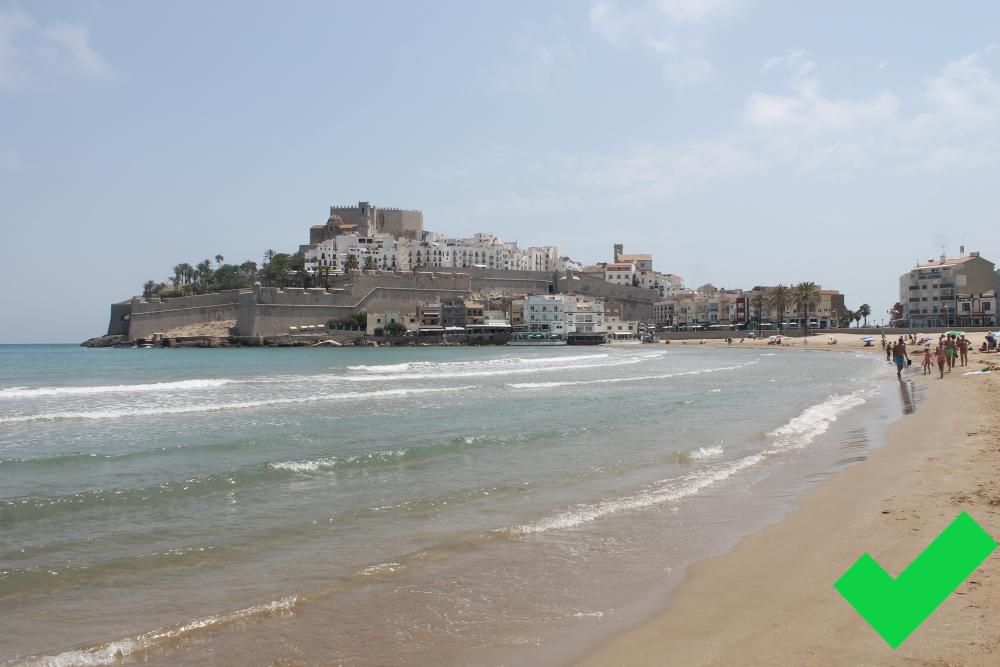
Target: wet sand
(771,601)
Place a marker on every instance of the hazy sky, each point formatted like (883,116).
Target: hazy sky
(740,142)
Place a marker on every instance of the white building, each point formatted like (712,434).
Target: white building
(372,252)
(545,313)
(619,273)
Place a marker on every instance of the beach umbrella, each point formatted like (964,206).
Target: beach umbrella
(865,339)
(954,333)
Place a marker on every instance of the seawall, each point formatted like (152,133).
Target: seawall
(266,311)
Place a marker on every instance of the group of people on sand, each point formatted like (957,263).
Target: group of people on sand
(951,349)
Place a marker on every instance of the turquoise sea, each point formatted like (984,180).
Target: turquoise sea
(396,505)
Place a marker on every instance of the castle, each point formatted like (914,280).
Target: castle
(367,220)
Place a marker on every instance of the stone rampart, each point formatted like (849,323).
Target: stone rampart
(149,316)
(266,311)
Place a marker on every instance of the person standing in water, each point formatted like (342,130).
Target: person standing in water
(900,356)
(927,361)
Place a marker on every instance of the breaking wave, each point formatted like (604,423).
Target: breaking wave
(181,385)
(115,651)
(504,361)
(799,432)
(118,413)
(663,376)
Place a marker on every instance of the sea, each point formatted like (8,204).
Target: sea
(396,506)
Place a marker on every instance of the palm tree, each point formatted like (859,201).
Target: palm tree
(205,274)
(857,317)
(758,303)
(268,258)
(848,315)
(864,310)
(778,300)
(806,295)
(178,276)
(219,259)
(149,289)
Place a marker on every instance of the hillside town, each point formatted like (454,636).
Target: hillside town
(536,295)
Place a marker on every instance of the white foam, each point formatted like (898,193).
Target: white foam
(640,378)
(797,433)
(706,452)
(329,462)
(181,385)
(115,651)
(214,407)
(489,372)
(445,365)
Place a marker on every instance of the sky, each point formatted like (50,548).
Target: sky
(740,142)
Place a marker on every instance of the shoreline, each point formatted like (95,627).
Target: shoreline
(771,601)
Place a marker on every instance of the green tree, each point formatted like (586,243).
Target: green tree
(278,269)
(149,289)
(394,329)
(352,263)
(778,300)
(219,259)
(229,276)
(205,274)
(864,310)
(369,263)
(806,296)
(758,303)
(297,265)
(249,270)
(268,258)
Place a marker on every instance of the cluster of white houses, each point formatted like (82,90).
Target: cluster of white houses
(366,237)
(370,242)
(554,316)
(950,292)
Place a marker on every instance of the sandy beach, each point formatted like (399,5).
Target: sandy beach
(771,600)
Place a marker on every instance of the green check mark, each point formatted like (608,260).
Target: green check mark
(896,607)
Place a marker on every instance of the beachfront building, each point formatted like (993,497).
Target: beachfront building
(977,310)
(544,313)
(619,329)
(583,316)
(931,291)
(563,314)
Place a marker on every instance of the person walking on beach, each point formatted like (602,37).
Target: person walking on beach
(888,351)
(900,356)
(949,350)
(927,361)
(963,350)
(942,358)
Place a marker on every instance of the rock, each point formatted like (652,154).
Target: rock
(103,341)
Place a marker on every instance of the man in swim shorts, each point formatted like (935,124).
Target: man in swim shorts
(900,356)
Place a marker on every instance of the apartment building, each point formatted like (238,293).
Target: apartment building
(931,292)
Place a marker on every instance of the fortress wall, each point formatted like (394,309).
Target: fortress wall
(121,314)
(270,311)
(143,325)
(153,305)
(274,318)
